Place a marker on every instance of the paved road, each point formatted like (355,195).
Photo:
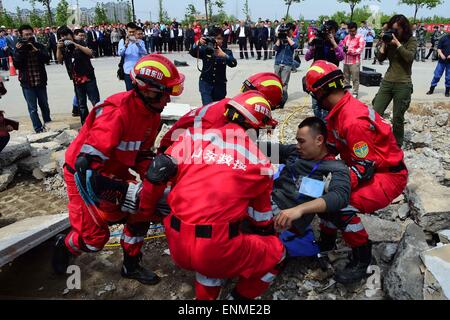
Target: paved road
(60,89)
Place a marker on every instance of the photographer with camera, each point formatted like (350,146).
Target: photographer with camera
(131,49)
(399,46)
(73,51)
(30,59)
(284,56)
(213,79)
(323,45)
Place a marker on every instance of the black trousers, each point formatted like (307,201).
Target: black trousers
(172,44)
(260,46)
(368,53)
(3,142)
(243,48)
(252,44)
(180,44)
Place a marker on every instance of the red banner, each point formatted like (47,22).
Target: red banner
(430,27)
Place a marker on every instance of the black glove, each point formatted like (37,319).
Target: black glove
(162,169)
(368,170)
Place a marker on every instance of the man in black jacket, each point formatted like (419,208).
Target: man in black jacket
(189,35)
(213,79)
(53,42)
(92,40)
(30,59)
(262,35)
(242,34)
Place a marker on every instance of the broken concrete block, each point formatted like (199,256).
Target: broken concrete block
(442,119)
(421,140)
(38,149)
(38,174)
(42,137)
(59,157)
(429,202)
(381,230)
(7,176)
(66,137)
(404,279)
(403,211)
(437,262)
(49,169)
(444,236)
(15,149)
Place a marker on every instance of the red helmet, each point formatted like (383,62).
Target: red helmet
(267,83)
(252,108)
(323,74)
(156,72)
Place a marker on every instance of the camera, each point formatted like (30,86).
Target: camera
(388,35)
(69,44)
(26,44)
(283,32)
(210,45)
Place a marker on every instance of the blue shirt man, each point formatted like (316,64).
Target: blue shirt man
(132,48)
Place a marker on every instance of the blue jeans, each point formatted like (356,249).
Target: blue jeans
(83,92)
(212,92)
(439,71)
(128,82)
(33,96)
(318,111)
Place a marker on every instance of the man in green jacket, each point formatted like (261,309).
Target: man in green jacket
(397,84)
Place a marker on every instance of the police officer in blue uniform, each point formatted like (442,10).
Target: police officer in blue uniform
(213,79)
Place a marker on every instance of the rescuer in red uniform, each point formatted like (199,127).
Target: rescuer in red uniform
(212,115)
(366,143)
(116,136)
(222,179)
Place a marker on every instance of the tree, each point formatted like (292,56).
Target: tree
(429,4)
(191,12)
(134,12)
(246,10)
(19,16)
(46,4)
(217,3)
(160,10)
(352,4)
(129,12)
(289,3)
(100,16)
(62,13)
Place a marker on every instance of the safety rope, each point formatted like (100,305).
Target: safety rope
(114,245)
(284,123)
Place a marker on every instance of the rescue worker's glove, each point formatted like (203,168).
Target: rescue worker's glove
(162,169)
(131,201)
(364,170)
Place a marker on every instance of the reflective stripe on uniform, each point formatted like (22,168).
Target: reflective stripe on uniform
(349,208)
(354,227)
(336,135)
(328,224)
(216,140)
(98,112)
(131,240)
(201,114)
(86,148)
(268,277)
(72,245)
(92,248)
(208,282)
(260,216)
(129,145)
(371,114)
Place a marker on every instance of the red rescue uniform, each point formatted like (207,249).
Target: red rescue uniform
(120,133)
(206,117)
(358,133)
(220,182)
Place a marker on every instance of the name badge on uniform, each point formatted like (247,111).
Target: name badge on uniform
(311,187)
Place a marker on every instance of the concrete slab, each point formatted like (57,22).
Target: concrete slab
(437,261)
(19,237)
(173,111)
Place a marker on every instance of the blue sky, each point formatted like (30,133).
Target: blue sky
(259,8)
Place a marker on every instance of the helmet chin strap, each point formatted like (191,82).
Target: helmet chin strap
(155,104)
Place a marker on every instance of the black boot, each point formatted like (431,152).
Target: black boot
(61,255)
(132,269)
(236,296)
(431,91)
(356,270)
(447,92)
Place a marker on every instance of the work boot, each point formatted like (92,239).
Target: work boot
(431,91)
(236,296)
(447,92)
(132,269)
(61,255)
(356,269)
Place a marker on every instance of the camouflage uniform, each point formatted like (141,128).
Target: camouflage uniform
(421,34)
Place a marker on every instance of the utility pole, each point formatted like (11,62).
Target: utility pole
(134,13)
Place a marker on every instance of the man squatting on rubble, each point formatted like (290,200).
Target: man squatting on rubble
(366,143)
(118,135)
